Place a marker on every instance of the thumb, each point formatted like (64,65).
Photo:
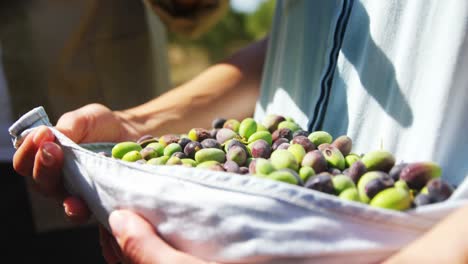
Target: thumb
(139,242)
(74,124)
(91,123)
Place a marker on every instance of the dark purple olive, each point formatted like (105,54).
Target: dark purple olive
(356,170)
(396,170)
(231,166)
(278,142)
(334,171)
(237,154)
(218,122)
(344,144)
(283,146)
(282,133)
(180,155)
(211,143)
(377,185)
(199,134)
(184,141)
(191,148)
(260,149)
(315,160)
(271,122)
(439,190)
(322,182)
(145,140)
(304,142)
(234,142)
(418,174)
(168,139)
(300,133)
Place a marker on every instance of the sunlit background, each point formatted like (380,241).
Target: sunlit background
(246,6)
(246,21)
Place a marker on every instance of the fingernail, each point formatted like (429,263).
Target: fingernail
(117,223)
(36,137)
(46,157)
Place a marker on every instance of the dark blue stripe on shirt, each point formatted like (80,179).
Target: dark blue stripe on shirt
(326,84)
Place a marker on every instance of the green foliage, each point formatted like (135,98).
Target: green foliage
(259,23)
(232,32)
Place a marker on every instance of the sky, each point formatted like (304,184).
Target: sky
(245,6)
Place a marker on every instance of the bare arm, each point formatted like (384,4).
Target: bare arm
(447,242)
(228,89)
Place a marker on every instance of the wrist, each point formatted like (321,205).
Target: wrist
(156,117)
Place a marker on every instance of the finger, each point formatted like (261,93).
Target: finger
(76,210)
(139,242)
(106,246)
(136,238)
(23,159)
(47,169)
(74,125)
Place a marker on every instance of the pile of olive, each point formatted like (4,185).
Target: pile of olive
(278,149)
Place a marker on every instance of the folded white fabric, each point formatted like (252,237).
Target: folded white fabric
(233,218)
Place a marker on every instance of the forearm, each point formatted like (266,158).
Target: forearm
(447,242)
(228,89)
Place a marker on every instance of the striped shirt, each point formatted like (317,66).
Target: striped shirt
(390,74)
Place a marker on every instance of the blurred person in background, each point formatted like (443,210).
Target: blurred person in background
(65,54)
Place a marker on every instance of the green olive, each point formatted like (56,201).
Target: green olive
(380,160)
(283,176)
(392,198)
(342,182)
(282,158)
(306,172)
(158,161)
(171,149)
(247,127)
(120,149)
(265,135)
(210,154)
(132,156)
(320,137)
(298,151)
(350,194)
(263,166)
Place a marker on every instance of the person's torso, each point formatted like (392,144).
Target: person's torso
(386,73)
(65,54)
